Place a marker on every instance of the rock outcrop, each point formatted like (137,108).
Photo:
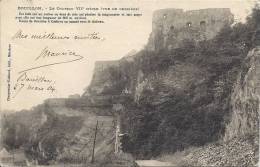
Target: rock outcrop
(246,99)
(240,144)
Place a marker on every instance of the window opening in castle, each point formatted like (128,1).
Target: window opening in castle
(189,24)
(165,16)
(172,27)
(202,23)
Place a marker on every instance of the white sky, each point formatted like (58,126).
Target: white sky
(122,35)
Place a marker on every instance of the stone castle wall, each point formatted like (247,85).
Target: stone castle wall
(101,76)
(101,66)
(171,26)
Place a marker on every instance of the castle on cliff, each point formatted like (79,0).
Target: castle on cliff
(170,27)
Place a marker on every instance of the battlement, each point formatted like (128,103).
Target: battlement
(171,26)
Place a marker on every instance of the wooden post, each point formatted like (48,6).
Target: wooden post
(94,143)
(13,157)
(118,131)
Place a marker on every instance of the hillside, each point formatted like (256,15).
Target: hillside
(57,132)
(240,143)
(190,96)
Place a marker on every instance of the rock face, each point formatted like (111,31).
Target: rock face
(240,144)
(60,130)
(183,95)
(246,99)
(173,26)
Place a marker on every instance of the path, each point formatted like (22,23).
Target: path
(152,163)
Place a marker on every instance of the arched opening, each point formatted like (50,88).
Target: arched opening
(172,28)
(203,23)
(165,16)
(188,24)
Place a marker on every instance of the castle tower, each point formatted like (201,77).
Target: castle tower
(172,26)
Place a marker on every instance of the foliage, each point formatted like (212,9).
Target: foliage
(41,142)
(198,114)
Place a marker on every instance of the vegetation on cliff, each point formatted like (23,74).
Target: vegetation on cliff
(41,133)
(169,119)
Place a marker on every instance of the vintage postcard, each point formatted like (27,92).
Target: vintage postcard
(133,83)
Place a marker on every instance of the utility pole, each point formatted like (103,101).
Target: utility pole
(94,143)
(13,157)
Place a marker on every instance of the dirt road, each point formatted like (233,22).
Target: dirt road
(152,163)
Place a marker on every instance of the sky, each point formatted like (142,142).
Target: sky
(121,35)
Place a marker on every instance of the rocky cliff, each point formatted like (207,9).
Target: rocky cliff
(60,131)
(245,99)
(191,95)
(240,143)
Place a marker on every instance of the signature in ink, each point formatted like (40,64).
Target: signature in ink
(47,53)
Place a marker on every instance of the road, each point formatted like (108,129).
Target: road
(153,163)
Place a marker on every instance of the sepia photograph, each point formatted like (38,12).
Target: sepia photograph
(134,83)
